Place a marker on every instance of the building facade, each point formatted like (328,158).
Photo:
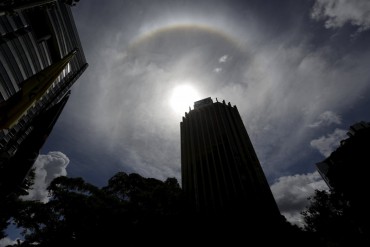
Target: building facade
(41,57)
(219,166)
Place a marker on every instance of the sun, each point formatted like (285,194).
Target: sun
(183,97)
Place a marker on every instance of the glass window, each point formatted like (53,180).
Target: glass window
(31,49)
(27,54)
(5,23)
(5,69)
(12,64)
(12,24)
(2,30)
(22,57)
(18,64)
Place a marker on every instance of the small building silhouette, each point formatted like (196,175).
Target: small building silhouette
(346,171)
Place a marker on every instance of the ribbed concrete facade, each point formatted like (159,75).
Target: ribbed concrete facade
(220,169)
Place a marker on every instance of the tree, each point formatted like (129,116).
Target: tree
(11,204)
(80,214)
(329,215)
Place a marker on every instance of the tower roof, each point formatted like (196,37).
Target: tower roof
(203,102)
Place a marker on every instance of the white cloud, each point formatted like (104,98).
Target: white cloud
(326,118)
(328,143)
(338,12)
(291,194)
(217,70)
(7,241)
(47,167)
(223,59)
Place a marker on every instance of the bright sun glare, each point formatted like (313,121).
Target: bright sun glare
(182,97)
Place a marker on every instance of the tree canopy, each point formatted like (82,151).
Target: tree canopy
(79,213)
(329,215)
(138,211)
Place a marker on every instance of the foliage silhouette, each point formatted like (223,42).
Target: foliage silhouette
(11,204)
(137,211)
(80,214)
(329,215)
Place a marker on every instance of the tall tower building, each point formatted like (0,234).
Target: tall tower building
(220,169)
(41,57)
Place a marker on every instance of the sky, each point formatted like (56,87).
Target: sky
(298,72)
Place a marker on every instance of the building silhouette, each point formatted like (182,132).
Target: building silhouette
(221,174)
(346,171)
(41,57)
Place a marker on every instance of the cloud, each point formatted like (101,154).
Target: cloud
(47,167)
(336,13)
(217,70)
(7,241)
(223,59)
(280,87)
(136,123)
(291,194)
(326,118)
(328,143)
(282,91)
